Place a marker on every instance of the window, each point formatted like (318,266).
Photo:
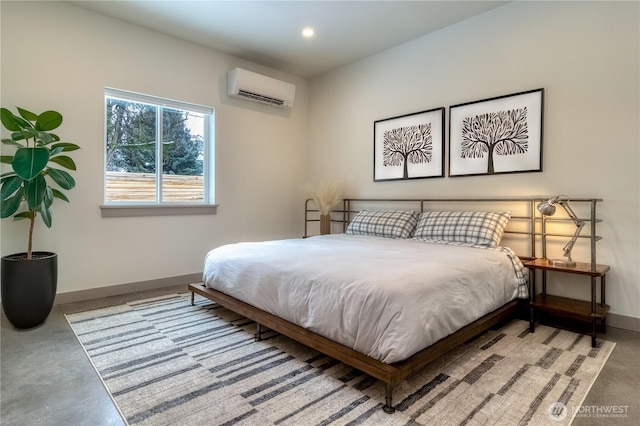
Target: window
(158,152)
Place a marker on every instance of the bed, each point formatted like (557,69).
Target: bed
(397,289)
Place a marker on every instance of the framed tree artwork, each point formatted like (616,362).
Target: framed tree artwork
(497,135)
(409,146)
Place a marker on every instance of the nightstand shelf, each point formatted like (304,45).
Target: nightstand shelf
(572,308)
(591,311)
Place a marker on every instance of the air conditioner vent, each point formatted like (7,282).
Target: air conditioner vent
(260,88)
(260,98)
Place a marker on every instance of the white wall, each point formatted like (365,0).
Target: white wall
(59,56)
(586,57)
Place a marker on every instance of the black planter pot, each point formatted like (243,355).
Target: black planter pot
(29,287)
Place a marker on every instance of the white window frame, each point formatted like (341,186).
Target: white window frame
(143,208)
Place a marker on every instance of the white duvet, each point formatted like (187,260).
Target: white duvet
(386,298)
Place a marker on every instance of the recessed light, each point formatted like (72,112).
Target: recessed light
(308,32)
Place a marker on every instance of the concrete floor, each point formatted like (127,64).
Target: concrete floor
(46,378)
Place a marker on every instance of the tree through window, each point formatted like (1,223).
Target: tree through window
(157,150)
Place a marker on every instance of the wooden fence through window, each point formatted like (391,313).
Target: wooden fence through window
(142,187)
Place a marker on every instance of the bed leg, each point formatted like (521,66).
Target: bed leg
(258,337)
(388,406)
(193,297)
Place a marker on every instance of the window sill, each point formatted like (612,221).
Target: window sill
(157,210)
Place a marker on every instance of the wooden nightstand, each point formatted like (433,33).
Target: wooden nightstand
(577,309)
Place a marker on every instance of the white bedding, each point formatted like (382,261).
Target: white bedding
(386,298)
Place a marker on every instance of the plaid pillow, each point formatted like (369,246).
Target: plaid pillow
(389,224)
(473,228)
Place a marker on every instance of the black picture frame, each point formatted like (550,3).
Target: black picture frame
(409,146)
(497,135)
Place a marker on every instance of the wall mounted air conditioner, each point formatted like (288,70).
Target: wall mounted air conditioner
(260,88)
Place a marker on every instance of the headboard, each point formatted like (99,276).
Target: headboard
(528,232)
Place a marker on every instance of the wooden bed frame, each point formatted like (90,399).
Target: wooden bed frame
(392,374)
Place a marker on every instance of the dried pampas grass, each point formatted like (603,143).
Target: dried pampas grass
(326,197)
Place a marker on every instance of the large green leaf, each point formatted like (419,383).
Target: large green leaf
(11,205)
(29,162)
(9,120)
(9,186)
(23,215)
(6,175)
(30,133)
(45,208)
(22,123)
(45,213)
(49,120)
(45,137)
(54,151)
(48,197)
(34,191)
(62,178)
(59,195)
(12,142)
(18,136)
(66,146)
(27,115)
(64,161)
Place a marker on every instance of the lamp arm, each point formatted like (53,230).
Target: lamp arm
(565,205)
(566,250)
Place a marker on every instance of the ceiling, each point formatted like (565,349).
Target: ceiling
(269,32)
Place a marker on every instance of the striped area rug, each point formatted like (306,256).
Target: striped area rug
(166,362)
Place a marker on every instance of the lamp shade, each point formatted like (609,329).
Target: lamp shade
(546,208)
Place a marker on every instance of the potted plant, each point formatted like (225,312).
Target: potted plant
(29,280)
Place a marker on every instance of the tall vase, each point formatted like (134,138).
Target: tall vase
(325,224)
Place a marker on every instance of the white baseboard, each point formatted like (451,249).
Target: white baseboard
(120,289)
